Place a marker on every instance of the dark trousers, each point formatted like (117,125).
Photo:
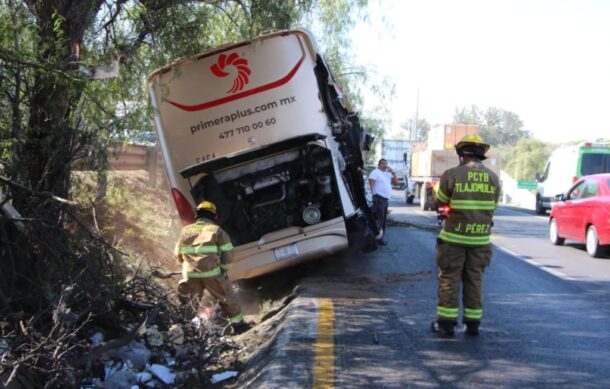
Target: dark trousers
(461,265)
(380,208)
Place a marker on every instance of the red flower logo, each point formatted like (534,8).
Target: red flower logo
(241,64)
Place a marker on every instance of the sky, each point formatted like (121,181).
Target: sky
(548,61)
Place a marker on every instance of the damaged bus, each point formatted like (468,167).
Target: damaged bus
(261,129)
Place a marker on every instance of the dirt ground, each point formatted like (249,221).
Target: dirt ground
(143,222)
(138,218)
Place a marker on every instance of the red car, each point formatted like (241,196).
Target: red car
(583,214)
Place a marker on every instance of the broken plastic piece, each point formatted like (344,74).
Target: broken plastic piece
(4,348)
(96,338)
(163,373)
(223,376)
(143,377)
(153,336)
(134,352)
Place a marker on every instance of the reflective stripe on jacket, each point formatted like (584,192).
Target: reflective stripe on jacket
(204,249)
(472,191)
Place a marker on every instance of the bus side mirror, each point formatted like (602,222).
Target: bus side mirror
(538,177)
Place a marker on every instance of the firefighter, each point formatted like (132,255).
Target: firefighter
(205,252)
(463,250)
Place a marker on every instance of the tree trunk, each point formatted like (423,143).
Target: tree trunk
(50,136)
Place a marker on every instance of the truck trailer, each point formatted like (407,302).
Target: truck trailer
(397,153)
(429,161)
(262,129)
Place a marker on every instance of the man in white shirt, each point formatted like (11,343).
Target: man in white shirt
(380,181)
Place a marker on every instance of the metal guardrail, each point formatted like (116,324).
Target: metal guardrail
(136,157)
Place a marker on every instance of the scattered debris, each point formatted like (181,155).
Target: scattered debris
(4,348)
(148,344)
(153,336)
(175,334)
(163,373)
(216,378)
(119,376)
(98,317)
(135,353)
(96,339)
(143,377)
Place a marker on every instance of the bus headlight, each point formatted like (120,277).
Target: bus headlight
(312,214)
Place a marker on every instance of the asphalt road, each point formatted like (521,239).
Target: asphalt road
(546,321)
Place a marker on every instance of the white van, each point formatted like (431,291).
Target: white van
(565,166)
(261,129)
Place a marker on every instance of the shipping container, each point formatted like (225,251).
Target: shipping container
(446,136)
(397,153)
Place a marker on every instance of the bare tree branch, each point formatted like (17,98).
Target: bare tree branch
(41,194)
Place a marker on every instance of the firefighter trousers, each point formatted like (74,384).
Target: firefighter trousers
(461,266)
(219,287)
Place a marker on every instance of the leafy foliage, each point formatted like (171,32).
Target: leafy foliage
(331,22)
(55,115)
(141,36)
(522,155)
(497,125)
(528,157)
(417,132)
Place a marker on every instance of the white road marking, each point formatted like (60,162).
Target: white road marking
(540,266)
(515,212)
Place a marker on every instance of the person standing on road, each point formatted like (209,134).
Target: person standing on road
(463,250)
(380,181)
(205,252)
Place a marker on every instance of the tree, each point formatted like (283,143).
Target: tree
(72,77)
(71,36)
(417,133)
(528,157)
(497,126)
(331,22)
(468,115)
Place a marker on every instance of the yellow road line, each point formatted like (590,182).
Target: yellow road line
(324,369)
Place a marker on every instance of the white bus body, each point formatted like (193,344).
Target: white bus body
(261,129)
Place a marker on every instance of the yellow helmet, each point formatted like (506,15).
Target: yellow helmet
(471,144)
(206,206)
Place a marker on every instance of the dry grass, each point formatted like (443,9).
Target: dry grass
(133,216)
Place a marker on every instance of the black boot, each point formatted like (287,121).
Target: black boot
(472,328)
(443,327)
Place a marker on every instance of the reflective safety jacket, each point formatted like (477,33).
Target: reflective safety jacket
(204,250)
(472,192)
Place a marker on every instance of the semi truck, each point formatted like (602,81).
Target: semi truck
(262,129)
(397,152)
(429,161)
(427,166)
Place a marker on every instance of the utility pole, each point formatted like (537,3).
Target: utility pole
(415,125)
